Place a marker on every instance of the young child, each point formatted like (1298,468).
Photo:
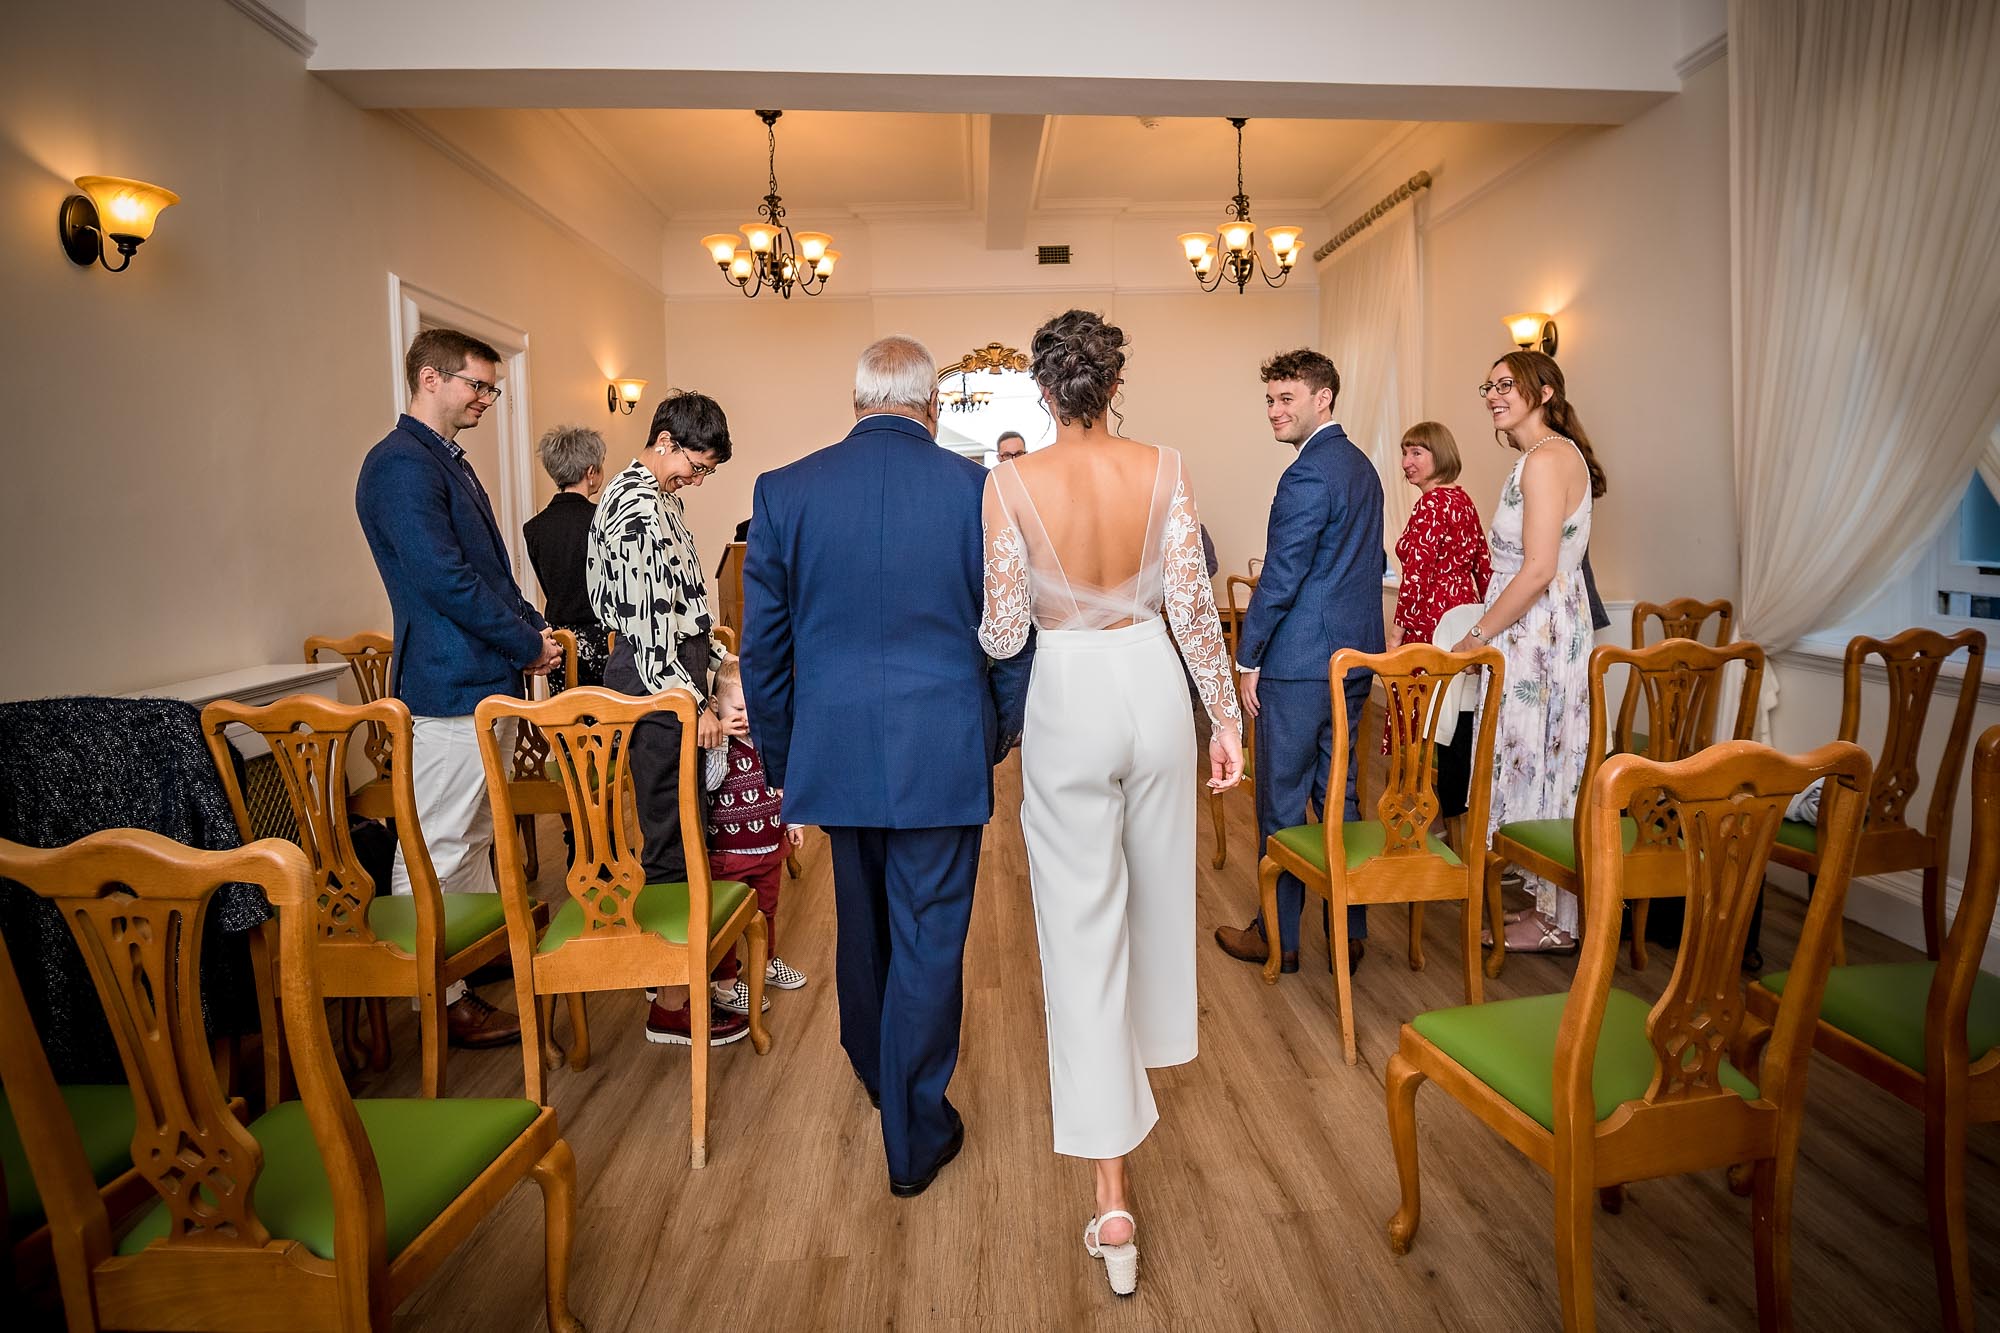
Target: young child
(748,839)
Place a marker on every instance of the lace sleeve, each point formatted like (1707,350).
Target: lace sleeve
(1190,608)
(1005,618)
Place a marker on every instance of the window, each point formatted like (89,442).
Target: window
(1963,586)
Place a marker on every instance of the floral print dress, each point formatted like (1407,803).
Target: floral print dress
(1544,725)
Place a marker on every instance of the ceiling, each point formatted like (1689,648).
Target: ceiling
(699,163)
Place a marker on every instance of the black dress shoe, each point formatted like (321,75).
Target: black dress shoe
(910,1189)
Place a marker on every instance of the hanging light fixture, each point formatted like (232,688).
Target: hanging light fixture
(767,254)
(964,399)
(1229,253)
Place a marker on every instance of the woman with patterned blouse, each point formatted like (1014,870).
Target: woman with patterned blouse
(1445,564)
(646,586)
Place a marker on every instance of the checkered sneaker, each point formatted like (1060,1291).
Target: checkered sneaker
(785,977)
(739,999)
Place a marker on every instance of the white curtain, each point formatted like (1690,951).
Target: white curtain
(1370,311)
(1865,181)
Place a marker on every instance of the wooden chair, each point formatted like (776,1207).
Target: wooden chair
(323,1213)
(729,589)
(369,943)
(1912,661)
(101,1117)
(1681,618)
(1596,1088)
(1930,1034)
(1218,811)
(367,657)
(539,794)
(1392,858)
(617,932)
(1681,683)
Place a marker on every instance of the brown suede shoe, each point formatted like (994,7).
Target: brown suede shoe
(1250,945)
(475,1024)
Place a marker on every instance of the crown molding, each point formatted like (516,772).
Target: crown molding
(270,21)
(1702,56)
(590,139)
(1568,136)
(514,194)
(1361,170)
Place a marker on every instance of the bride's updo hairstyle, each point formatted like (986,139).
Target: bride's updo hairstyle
(1077,360)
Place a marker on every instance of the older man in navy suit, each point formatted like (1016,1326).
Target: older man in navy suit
(880,718)
(1320,590)
(462,628)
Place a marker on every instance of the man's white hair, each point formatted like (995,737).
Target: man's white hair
(895,372)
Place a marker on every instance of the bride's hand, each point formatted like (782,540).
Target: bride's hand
(1225,758)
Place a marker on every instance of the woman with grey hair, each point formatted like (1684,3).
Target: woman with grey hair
(573,456)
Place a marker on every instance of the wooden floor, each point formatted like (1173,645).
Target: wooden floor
(1261,1196)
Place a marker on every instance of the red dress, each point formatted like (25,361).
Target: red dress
(1444,558)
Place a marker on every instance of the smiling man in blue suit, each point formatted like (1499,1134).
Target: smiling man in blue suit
(880,718)
(1320,590)
(463,629)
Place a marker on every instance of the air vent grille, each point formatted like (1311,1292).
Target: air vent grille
(1052,254)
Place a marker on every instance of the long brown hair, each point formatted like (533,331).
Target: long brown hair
(1533,371)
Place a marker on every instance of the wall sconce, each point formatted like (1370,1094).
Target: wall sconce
(623,395)
(112,209)
(1531,326)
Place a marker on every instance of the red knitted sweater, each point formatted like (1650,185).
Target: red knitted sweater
(743,813)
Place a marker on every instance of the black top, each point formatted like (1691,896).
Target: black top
(556,538)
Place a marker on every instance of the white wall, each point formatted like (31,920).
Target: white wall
(184,436)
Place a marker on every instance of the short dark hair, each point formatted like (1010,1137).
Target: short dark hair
(1306,366)
(445,351)
(695,421)
(1006,435)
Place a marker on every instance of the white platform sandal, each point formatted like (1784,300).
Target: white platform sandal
(1121,1262)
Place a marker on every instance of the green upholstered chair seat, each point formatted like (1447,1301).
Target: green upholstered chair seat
(663,909)
(1797,833)
(1510,1045)
(1883,1005)
(1554,839)
(428,1150)
(103,1116)
(468,919)
(1362,840)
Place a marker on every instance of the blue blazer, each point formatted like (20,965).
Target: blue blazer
(463,630)
(870,699)
(1321,586)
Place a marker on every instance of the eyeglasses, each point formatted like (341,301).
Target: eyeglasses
(480,388)
(700,469)
(1502,386)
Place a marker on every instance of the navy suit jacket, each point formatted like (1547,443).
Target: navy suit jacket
(463,630)
(1321,585)
(870,699)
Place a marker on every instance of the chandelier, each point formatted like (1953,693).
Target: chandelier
(767,254)
(963,399)
(1238,258)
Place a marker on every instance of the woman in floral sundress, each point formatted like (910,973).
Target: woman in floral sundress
(1538,615)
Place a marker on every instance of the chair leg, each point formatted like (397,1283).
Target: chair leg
(1945,1122)
(263,959)
(1934,927)
(555,1173)
(1267,898)
(1475,989)
(528,840)
(534,1020)
(1639,906)
(579,1026)
(431,1033)
(1576,1202)
(1218,814)
(1771,1240)
(760,954)
(1343,984)
(699,1005)
(378,1033)
(1402,1081)
(1416,937)
(1496,957)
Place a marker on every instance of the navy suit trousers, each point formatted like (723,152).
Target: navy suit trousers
(903,902)
(1294,755)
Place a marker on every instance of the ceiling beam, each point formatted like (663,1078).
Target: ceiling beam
(1013,152)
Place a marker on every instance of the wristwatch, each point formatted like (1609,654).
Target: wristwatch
(1476,633)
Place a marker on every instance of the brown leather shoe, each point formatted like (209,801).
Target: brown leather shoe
(475,1024)
(1250,945)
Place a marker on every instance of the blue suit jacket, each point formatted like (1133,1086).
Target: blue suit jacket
(463,630)
(870,699)
(1321,586)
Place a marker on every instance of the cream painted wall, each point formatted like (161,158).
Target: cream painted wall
(784,372)
(185,436)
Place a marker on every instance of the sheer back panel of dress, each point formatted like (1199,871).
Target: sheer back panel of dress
(1093,541)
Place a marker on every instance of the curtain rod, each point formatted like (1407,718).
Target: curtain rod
(1420,181)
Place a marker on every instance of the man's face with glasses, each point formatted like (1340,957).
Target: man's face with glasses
(467,392)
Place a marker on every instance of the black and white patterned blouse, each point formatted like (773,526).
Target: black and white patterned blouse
(645,579)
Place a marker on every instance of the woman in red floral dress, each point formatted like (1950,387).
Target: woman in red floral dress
(1445,564)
